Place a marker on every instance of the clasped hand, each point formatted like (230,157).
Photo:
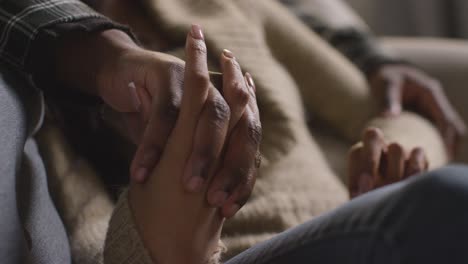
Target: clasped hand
(151,88)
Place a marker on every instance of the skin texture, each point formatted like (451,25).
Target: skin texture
(146,88)
(374,163)
(172,220)
(398,87)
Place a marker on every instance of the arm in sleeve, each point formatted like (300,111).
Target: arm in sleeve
(338,24)
(30,29)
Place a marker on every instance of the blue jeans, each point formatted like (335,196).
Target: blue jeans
(421,220)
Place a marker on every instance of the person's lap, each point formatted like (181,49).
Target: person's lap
(31,230)
(12,131)
(421,220)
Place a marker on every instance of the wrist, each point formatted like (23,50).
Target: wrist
(82,59)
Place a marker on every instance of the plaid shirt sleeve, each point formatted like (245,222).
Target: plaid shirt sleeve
(24,22)
(351,39)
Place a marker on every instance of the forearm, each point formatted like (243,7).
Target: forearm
(33,30)
(26,20)
(81,57)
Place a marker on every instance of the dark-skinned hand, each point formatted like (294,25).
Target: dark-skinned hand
(399,87)
(374,163)
(146,88)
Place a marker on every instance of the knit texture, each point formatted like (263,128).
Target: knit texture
(123,243)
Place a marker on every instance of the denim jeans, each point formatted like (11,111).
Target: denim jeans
(420,220)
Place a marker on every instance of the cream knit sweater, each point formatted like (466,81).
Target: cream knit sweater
(295,71)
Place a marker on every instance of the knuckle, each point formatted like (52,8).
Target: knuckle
(235,65)
(254,132)
(218,111)
(240,93)
(198,48)
(200,80)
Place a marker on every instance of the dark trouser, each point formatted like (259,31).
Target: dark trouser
(421,220)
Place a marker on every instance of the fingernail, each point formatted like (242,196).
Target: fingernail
(250,81)
(197,32)
(141,174)
(219,198)
(228,53)
(195,184)
(134,96)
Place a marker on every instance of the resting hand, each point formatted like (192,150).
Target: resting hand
(400,86)
(375,163)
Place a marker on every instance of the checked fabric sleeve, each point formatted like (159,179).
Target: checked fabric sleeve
(29,29)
